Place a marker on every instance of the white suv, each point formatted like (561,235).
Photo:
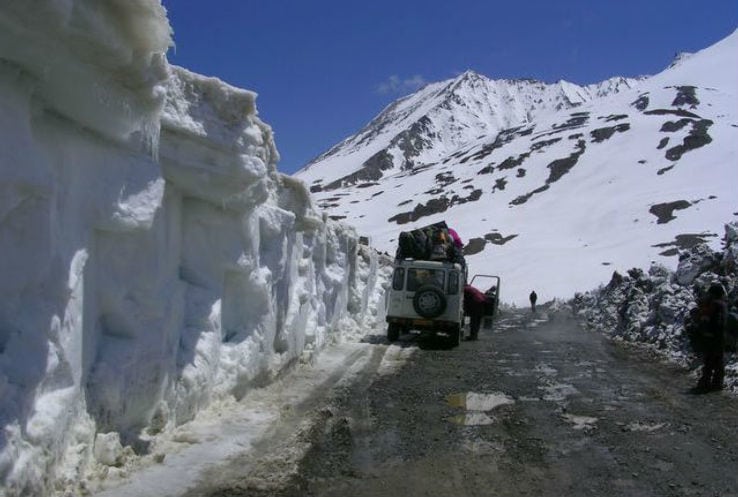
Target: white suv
(426,296)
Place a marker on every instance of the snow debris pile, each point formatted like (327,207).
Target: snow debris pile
(153,260)
(652,308)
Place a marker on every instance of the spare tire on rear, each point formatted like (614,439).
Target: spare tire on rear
(429,301)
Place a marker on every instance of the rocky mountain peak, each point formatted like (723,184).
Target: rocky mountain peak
(438,120)
(679,58)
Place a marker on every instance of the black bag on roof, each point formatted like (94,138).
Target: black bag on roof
(412,245)
(431,242)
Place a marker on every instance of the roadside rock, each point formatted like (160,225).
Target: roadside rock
(651,308)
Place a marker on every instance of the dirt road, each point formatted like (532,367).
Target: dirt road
(536,407)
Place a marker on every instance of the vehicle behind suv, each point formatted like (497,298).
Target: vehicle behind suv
(426,296)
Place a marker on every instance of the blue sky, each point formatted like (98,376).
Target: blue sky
(325,68)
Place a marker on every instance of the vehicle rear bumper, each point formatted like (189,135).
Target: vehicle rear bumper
(424,324)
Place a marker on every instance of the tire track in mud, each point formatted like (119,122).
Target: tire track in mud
(273,465)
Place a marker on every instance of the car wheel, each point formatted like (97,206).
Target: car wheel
(429,301)
(393,332)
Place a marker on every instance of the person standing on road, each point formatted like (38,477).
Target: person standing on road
(474,306)
(712,321)
(533,297)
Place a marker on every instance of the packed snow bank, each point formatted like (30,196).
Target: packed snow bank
(96,63)
(153,259)
(652,308)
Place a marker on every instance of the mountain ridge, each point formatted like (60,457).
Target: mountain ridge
(441,112)
(624,177)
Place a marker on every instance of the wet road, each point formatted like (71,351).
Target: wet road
(535,407)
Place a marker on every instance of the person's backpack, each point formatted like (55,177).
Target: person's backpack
(731,332)
(693,328)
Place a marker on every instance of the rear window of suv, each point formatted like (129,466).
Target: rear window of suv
(398,279)
(419,277)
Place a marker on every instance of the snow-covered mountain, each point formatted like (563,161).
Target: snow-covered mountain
(433,123)
(552,186)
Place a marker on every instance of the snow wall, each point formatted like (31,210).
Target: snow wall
(152,259)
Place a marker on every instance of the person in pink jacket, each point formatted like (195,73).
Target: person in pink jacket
(456,238)
(474,306)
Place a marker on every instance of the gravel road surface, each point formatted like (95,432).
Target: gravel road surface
(537,406)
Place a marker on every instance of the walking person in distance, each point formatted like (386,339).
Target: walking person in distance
(533,297)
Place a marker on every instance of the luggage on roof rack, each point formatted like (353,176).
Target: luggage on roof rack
(429,243)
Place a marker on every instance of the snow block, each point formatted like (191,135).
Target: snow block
(154,260)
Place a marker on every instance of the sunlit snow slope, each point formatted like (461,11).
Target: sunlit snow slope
(552,187)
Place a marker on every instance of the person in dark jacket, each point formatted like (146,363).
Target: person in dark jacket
(533,297)
(474,307)
(712,321)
